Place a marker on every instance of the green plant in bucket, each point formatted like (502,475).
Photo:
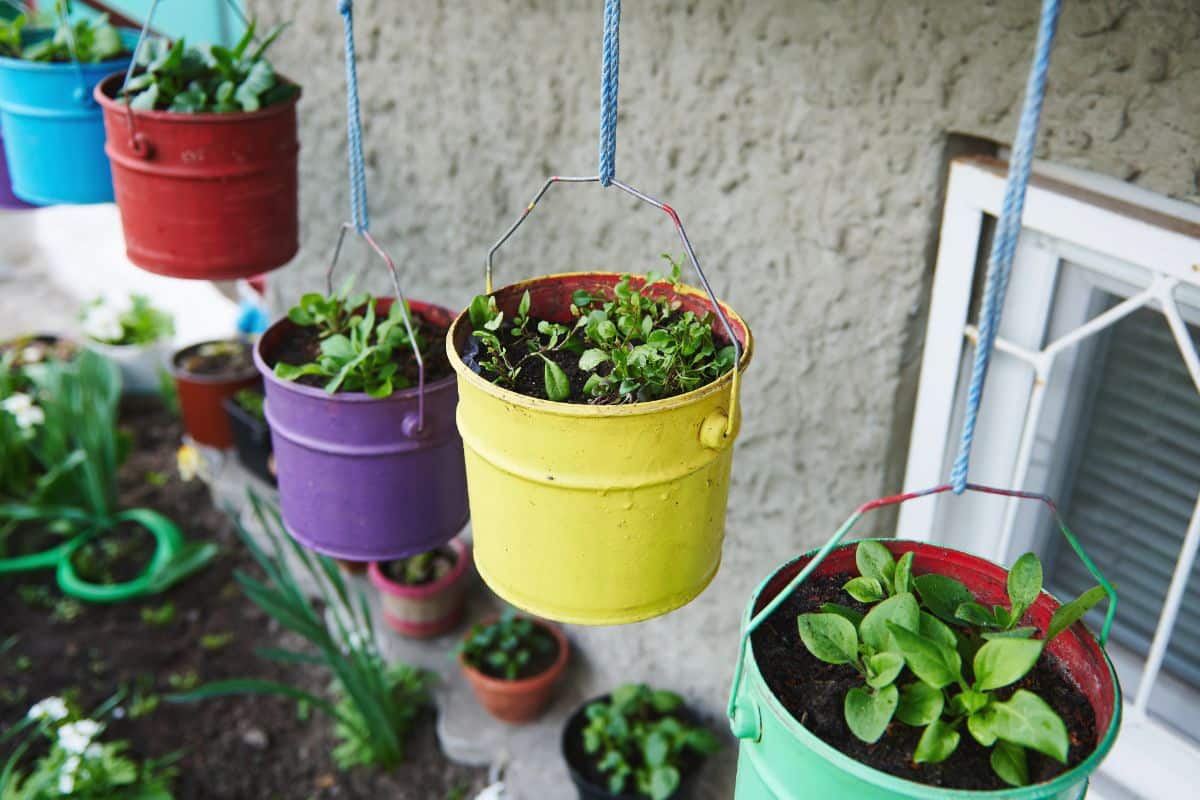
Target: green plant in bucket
(932,657)
(504,647)
(88,41)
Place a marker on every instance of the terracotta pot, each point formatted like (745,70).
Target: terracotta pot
(201,396)
(429,610)
(523,700)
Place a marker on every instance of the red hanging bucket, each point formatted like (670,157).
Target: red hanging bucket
(206,196)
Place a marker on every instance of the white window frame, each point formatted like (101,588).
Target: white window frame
(1138,245)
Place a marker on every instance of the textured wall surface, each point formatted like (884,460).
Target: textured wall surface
(802,143)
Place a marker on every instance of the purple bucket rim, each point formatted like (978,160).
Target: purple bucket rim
(411,393)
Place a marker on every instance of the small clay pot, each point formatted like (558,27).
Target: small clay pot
(428,610)
(522,700)
(201,395)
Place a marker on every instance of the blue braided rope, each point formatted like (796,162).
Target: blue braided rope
(608,91)
(358,179)
(1008,229)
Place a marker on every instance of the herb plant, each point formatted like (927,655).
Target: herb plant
(358,348)
(932,657)
(420,569)
(637,345)
(251,400)
(78,763)
(94,40)
(134,321)
(373,705)
(635,740)
(505,647)
(208,79)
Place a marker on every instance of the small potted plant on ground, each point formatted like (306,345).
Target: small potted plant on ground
(370,466)
(204,149)
(424,595)
(513,663)
(636,742)
(205,375)
(614,396)
(251,434)
(53,131)
(133,334)
(905,670)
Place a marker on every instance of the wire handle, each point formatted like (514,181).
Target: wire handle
(739,723)
(137,142)
(687,246)
(1008,230)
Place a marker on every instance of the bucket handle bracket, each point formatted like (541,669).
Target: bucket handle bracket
(743,725)
(731,421)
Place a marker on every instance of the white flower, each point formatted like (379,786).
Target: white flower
(23,410)
(93,751)
(103,323)
(66,778)
(52,708)
(31,355)
(74,737)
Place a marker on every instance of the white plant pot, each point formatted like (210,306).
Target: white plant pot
(140,364)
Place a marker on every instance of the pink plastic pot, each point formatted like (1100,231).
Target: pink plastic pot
(425,611)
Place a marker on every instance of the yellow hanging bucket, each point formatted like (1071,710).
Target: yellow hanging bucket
(596,515)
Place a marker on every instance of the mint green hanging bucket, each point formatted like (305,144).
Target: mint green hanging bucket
(779,759)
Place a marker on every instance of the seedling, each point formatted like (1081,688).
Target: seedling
(636,740)
(636,344)
(208,79)
(216,641)
(251,401)
(912,647)
(419,569)
(358,349)
(159,616)
(505,647)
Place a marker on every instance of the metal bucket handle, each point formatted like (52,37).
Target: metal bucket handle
(412,339)
(745,726)
(687,246)
(138,142)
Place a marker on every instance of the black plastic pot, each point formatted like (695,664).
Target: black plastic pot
(252,438)
(593,785)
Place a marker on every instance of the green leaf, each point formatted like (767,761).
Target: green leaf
(1027,720)
(883,669)
(1009,762)
(902,579)
(933,628)
(874,560)
(864,590)
(973,613)
(523,306)
(655,749)
(479,311)
(663,782)
(854,617)
(829,637)
(869,712)
(1067,615)
(1003,661)
(592,358)
(920,704)
(665,702)
(902,610)
(938,742)
(259,80)
(558,388)
(969,701)
(942,595)
(931,661)
(1024,583)
(338,346)
(1013,633)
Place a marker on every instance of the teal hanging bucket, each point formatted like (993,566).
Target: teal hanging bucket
(54,131)
(780,759)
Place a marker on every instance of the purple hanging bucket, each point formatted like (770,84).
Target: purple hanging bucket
(357,479)
(7,198)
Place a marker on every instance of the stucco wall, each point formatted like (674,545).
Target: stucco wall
(802,143)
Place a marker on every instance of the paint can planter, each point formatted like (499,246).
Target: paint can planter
(53,130)
(141,365)
(201,395)
(204,196)
(595,515)
(251,439)
(428,610)
(780,759)
(359,478)
(520,701)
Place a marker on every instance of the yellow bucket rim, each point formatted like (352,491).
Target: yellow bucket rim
(465,373)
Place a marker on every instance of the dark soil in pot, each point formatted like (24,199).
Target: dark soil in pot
(37,348)
(234,747)
(813,692)
(443,561)
(216,359)
(117,555)
(302,345)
